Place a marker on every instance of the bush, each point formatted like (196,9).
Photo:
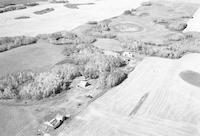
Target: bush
(176,37)
(44,85)
(101,30)
(92,56)
(92,59)
(72,6)
(11,8)
(115,78)
(32,4)
(58,1)
(66,72)
(44,11)
(65,37)
(10,85)
(7,43)
(3,48)
(177,26)
(38,86)
(146,4)
(18,7)
(161,21)
(22,17)
(111,79)
(127,12)
(92,22)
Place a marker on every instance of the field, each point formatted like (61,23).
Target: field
(58,20)
(36,57)
(18,1)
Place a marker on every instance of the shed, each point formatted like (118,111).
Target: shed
(83,84)
(128,54)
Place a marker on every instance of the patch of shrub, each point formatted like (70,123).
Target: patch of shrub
(144,14)
(93,60)
(7,43)
(100,30)
(18,7)
(44,11)
(105,62)
(10,8)
(109,35)
(22,17)
(72,6)
(111,79)
(146,4)
(176,26)
(65,37)
(66,72)
(174,50)
(46,84)
(91,71)
(161,21)
(76,6)
(11,85)
(175,37)
(38,86)
(187,17)
(32,4)
(92,22)
(115,78)
(58,1)
(127,12)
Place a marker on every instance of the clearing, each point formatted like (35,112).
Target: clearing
(36,57)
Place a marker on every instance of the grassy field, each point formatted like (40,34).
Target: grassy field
(36,57)
(18,1)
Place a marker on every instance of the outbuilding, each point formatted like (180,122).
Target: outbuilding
(127,54)
(83,84)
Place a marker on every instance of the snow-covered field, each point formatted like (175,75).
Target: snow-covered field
(194,24)
(61,18)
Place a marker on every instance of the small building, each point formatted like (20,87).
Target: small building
(55,122)
(127,54)
(83,84)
